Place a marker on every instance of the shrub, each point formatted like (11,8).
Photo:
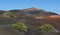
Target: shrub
(20,26)
(46,27)
(10,14)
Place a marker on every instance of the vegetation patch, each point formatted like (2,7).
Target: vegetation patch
(10,14)
(20,26)
(47,27)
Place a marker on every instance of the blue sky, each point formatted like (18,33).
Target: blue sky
(49,5)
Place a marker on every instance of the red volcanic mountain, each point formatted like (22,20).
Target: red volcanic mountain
(32,17)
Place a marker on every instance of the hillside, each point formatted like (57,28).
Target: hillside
(32,17)
(54,20)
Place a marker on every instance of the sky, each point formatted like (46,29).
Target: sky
(48,5)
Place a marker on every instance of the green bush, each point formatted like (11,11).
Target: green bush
(20,26)
(46,27)
(10,14)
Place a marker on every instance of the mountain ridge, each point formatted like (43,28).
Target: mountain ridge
(31,10)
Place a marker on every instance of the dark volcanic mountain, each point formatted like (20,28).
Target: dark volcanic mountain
(33,10)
